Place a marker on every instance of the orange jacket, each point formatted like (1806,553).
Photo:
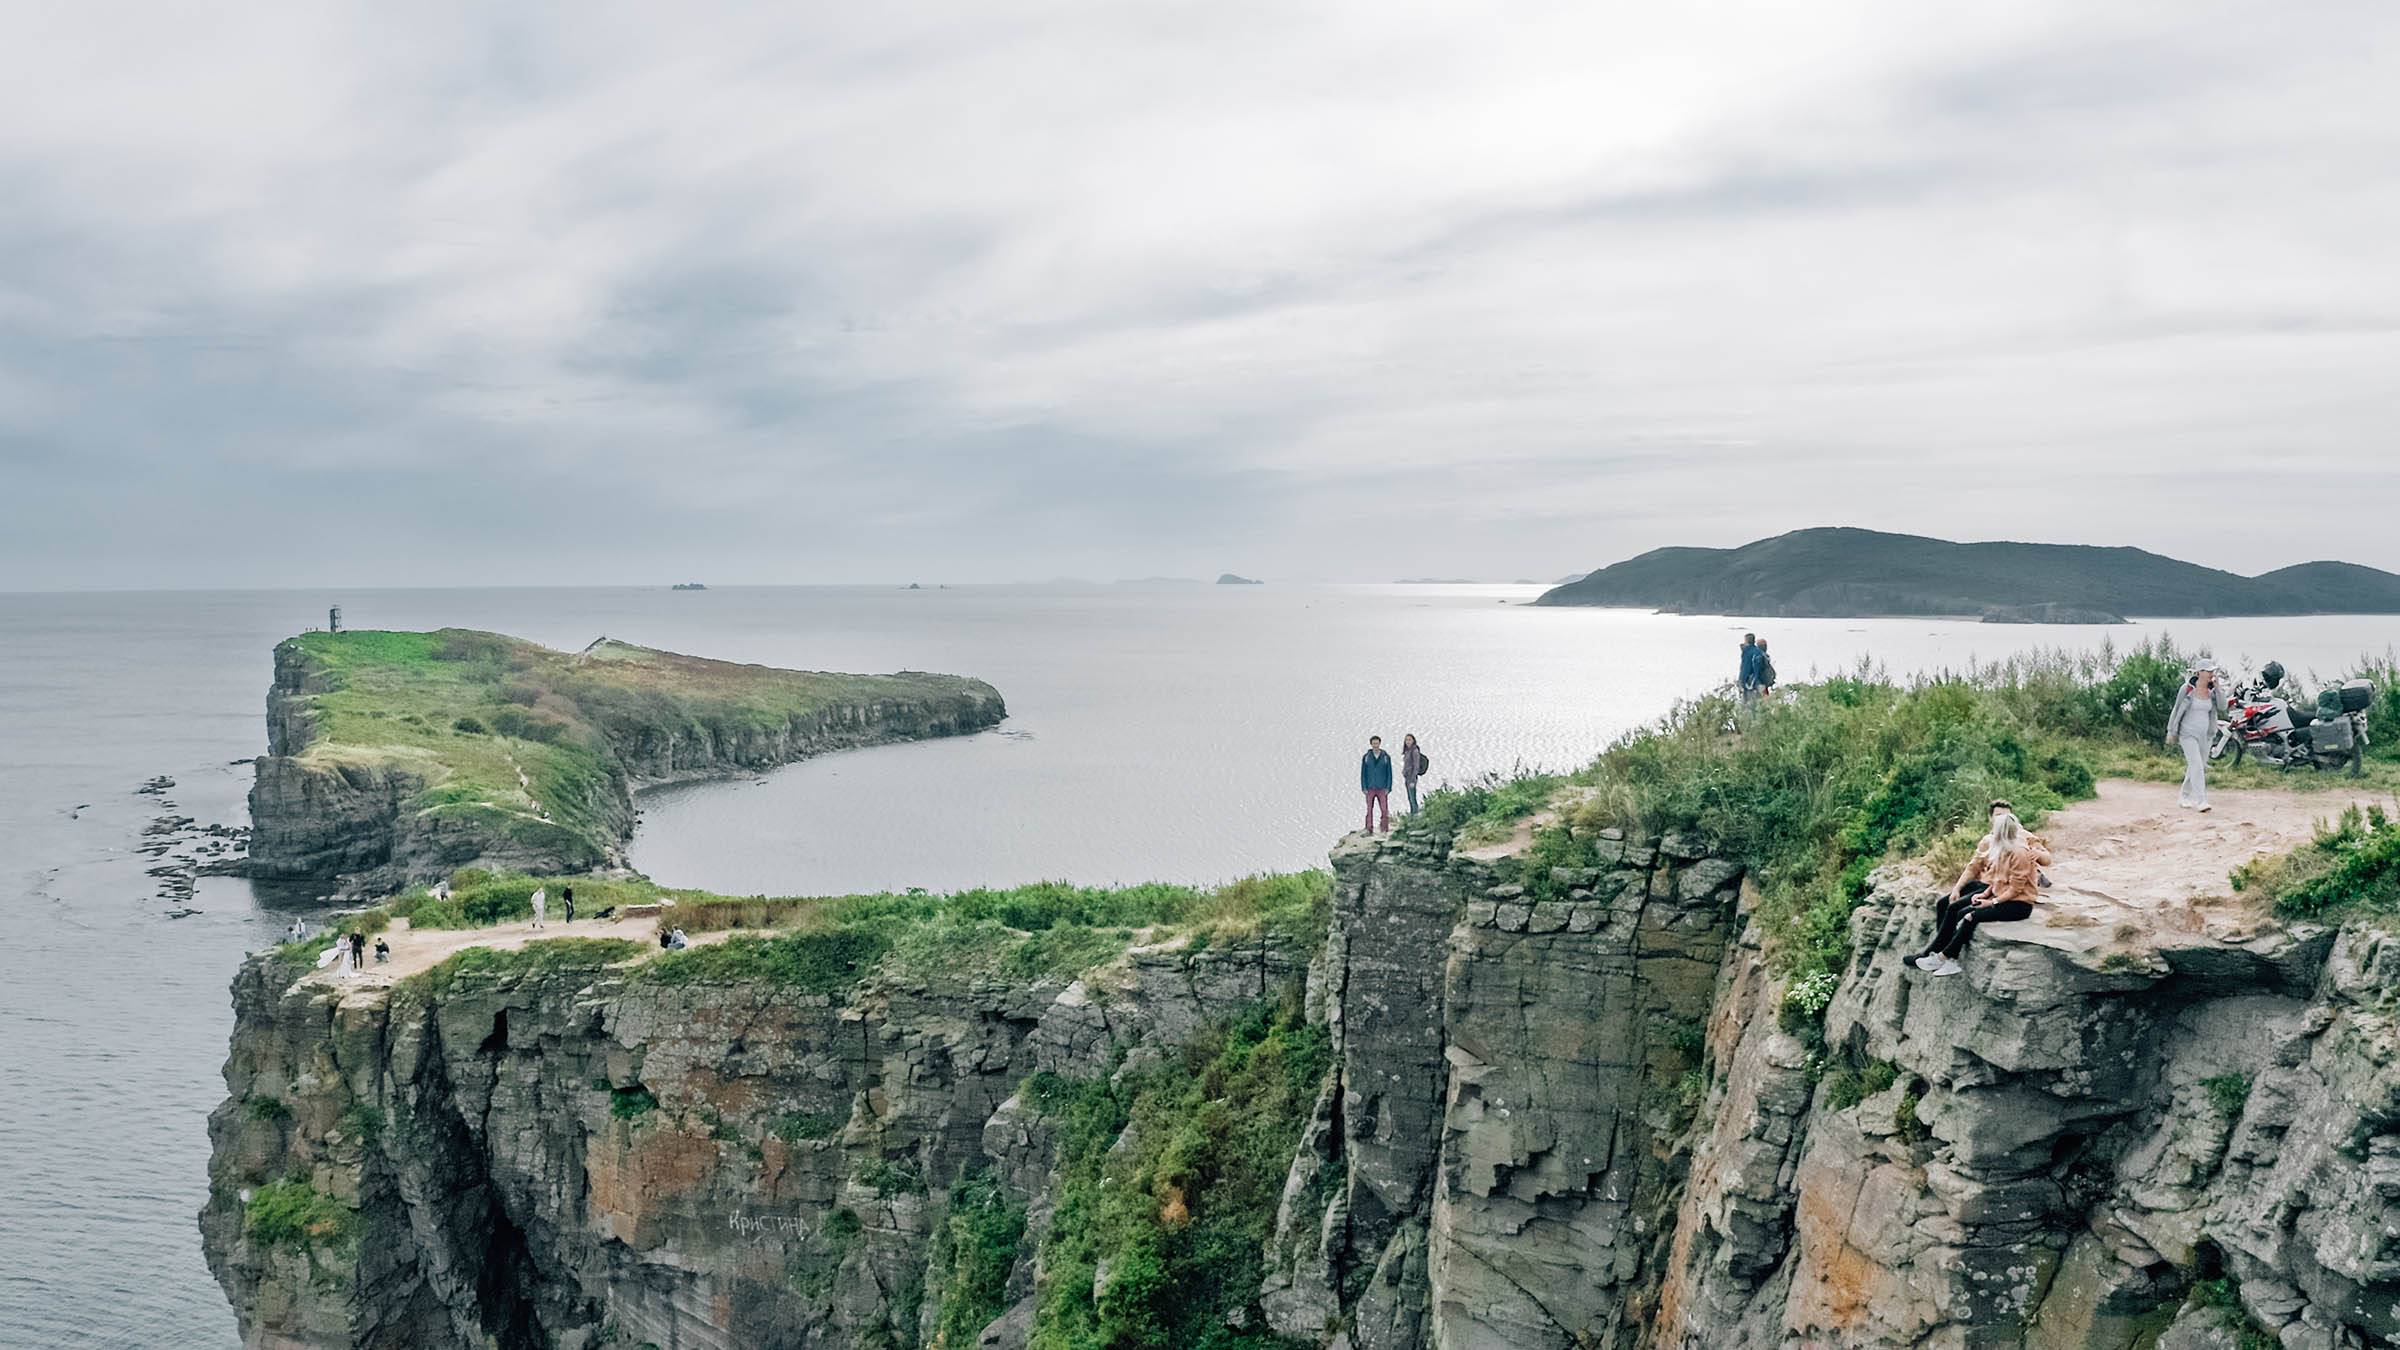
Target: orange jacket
(2019,879)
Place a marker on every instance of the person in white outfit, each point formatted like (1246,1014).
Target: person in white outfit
(541,902)
(2192,723)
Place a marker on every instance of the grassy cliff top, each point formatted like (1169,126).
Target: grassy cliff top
(826,944)
(1822,785)
(533,738)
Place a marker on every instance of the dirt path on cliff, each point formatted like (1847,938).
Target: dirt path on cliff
(419,949)
(2132,860)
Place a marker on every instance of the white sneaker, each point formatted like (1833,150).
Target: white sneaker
(2204,806)
(1928,962)
(1948,968)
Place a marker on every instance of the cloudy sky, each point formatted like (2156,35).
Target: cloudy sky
(1014,289)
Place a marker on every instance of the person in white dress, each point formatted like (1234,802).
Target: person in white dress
(2192,723)
(541,903)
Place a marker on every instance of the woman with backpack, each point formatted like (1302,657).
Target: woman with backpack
(2192,722)
(1413,765)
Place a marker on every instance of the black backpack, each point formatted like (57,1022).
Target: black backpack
(1766,671)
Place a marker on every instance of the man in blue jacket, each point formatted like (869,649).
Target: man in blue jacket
(1750,661)
(1375,779)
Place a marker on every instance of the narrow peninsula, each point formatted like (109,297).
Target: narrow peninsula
(394,758)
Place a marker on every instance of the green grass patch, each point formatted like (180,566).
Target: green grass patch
(975,1247)
(888,1177)
(1181,1216)
(2225,1292)
(534,958)
(631,1103)
(293,1213)
(264,1109)
(798,1126)
(2229,1093)
(2350,866)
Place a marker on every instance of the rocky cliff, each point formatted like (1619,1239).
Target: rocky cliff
(396,762)
(1580,1116)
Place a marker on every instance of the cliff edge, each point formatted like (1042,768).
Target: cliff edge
(1557,1108)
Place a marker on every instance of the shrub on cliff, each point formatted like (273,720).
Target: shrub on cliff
(291,1212)
(1820,786)
(974,1248)
(2352,863)
(1180,1216)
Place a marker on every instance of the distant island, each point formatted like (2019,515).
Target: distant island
(1229,579)
(1848,573)
(393,758)
(687,586)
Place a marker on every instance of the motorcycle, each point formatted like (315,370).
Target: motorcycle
(2261,722)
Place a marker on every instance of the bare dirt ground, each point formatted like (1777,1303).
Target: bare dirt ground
(2133,859)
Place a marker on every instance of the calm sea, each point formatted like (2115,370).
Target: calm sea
(1184,733)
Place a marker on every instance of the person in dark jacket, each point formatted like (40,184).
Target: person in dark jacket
(1747,686)
(1413,765)
(1375,779)
(568,895)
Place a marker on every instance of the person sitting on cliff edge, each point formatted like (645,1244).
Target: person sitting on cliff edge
(2001,884)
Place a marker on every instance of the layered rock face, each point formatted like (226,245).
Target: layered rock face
(582,1159)
(1514,1078)
(2070,1143)
(1558,1123)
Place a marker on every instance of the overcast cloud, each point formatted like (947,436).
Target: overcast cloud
(360,294)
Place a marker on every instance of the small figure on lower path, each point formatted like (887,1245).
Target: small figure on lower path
(1375,780)
(2001,884)
(298,932)
(567,893)
(383,951)
(541,904)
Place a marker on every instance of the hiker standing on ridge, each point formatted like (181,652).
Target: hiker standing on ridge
(2193,723)
(1413,765)
(1375,780)
(1747,685)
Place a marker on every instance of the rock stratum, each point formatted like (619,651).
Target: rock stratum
(1548,1125)
(1849,573)
(394,758)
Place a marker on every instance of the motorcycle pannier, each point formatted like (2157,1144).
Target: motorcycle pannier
(2356,695)
(2334,735)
